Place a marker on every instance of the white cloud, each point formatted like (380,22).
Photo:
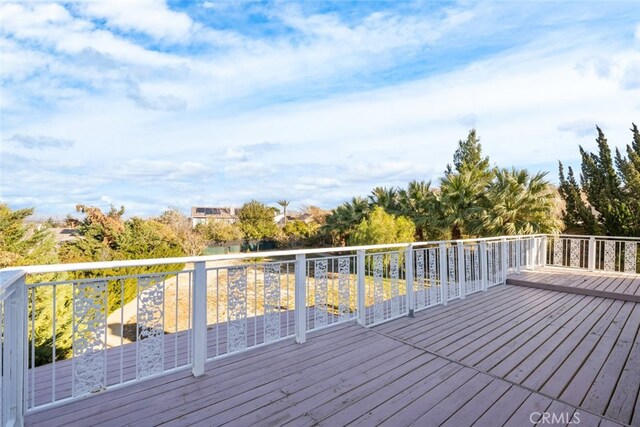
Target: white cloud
(580,128)
(631,77)
(233,153)
(151,17)
(248,170)
(53,26)
(40,142)
(160,169)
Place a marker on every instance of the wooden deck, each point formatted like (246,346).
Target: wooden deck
(491,359)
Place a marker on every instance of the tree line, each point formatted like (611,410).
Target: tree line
(473,199)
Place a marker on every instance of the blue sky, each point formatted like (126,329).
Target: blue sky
(150,104)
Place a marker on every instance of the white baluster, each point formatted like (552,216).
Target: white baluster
(199,318)
(301,299)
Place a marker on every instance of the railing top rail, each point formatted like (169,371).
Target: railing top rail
(584,236)
(7,278)
(479,239)
(60,268)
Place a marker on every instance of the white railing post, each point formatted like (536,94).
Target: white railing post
(408,276)
(361,288)
(544,248)
(592,253)
(444,287)
(505,260)
(533,253)
(461,270)
(301,299)
(484,260)
(13,353)
(518,254)
(199,318)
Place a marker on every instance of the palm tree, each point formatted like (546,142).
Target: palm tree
(418,202)
(284,205)
(518,203)
(386,198)
(341,222)
(460,203)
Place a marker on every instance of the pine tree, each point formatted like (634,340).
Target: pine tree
(21,244)
(577,213)
(461,189)
(468,158)
(611,190)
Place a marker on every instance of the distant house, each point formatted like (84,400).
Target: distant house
(292,216)
(63,235)
(203,215)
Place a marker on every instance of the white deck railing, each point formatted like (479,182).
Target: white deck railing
(65,337)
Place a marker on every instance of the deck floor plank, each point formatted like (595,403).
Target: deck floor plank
(440,335)
(500,412)
(578,387)
(625,395)
(600,392)
(478,405)
(505,329)
(552,375)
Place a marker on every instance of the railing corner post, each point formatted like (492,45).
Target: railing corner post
(361,287)
(199,318)
(14,353)
(592,253)
(505,261)
(518,256)
(484,264)
(301,299)
(408,275)
(544,248)
(461,269)
(444,287)
(533,253)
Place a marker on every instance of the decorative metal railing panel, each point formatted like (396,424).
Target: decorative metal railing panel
(252,304)
(573,251)
(331,290)
(472,281)
(89,373)
(150,333)
(495,258)
(344,289)
(616,255)
(385,287)
(453,284)
(272,298)
(85,335)
(321,304)
(426,283)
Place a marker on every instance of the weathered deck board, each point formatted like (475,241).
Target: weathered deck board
(490,359)
(496,316)
(602,387)
(478,405)
(492,330)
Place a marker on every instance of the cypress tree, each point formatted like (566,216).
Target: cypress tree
(611,189)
